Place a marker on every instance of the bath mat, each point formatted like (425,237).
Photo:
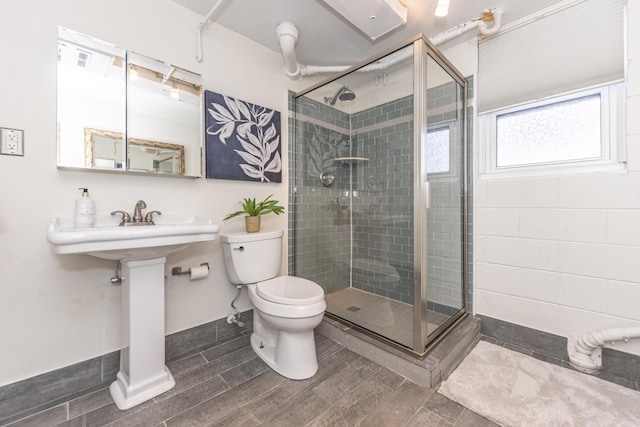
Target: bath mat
(513,389)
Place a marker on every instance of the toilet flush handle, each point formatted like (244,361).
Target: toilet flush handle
(239,248)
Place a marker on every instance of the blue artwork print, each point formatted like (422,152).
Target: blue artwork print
(242,140)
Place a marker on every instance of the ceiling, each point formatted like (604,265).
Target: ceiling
(326,38)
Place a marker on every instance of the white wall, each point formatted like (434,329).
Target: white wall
(59,310)
(560,254)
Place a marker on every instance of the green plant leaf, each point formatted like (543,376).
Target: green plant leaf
(252,208)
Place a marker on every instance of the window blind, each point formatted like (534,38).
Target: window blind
(579,46)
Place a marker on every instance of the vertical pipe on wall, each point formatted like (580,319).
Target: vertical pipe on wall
(585,353)
(287,35)
(201,27)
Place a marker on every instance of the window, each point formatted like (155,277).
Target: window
(442,154)
(438,150)
(556,132)
(83,59)
(560,132)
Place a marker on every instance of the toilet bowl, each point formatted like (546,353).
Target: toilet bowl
(286,308)
(283,326)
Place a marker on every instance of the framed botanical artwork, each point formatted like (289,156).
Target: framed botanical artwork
(242,140)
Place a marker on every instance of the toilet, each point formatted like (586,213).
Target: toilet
(286,308)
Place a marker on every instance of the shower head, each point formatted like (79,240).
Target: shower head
(347,95)
(343,94)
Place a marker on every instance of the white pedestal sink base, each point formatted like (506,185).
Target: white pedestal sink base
(126,397)
(143,374)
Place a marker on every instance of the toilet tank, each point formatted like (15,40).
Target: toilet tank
(252,257)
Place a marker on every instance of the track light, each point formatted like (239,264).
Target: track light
(175,93)
(133,73)
(442,9)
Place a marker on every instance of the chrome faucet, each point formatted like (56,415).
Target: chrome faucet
(137,211)
(137,215)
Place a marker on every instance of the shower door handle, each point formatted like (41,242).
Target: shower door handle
(427,195)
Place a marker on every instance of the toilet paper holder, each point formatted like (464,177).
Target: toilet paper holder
(178,271)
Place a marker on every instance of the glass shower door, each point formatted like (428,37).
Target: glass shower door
(354,195)
(443,162)
(382,262)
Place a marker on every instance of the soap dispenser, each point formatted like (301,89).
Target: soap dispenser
(85,210)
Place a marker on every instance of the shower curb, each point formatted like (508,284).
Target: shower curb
(428,371)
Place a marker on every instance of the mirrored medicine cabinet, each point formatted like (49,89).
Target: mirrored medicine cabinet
(121,111)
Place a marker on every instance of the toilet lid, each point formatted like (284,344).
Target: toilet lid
(290,290)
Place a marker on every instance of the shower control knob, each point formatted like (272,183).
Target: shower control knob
(327,177)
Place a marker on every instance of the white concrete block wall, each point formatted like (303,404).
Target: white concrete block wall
(561,254)
(575,225)
(497,222)
(623,227)
(618,262)
(518,252)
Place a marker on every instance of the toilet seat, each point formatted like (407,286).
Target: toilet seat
(289,290)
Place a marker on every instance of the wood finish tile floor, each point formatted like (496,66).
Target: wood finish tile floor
(228,385)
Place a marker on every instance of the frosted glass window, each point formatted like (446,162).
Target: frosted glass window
(557,132)
(438,143)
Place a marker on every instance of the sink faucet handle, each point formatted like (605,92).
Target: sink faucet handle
(126,218)
(137,211)
(149,216)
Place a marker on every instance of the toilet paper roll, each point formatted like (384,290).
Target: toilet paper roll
(198,272)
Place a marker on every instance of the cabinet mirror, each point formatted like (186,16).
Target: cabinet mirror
(119,110)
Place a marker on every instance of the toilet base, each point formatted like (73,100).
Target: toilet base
(293,355)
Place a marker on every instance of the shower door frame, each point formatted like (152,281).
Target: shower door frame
(423,342)
(422,49)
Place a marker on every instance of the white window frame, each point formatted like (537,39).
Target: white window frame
(612,137)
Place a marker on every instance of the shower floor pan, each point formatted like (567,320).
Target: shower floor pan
(350,307)
(387,317)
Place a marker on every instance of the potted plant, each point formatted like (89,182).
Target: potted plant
(254,210)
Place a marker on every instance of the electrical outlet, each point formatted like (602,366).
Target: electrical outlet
(12,142)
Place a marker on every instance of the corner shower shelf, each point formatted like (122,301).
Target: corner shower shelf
(351,160)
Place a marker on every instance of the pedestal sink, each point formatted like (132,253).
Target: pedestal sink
(142,251)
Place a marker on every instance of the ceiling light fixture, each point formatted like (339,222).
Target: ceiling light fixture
(442,9)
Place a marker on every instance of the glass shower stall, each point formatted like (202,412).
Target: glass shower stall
(378,194)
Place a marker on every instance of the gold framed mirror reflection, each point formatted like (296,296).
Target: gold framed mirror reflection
(104,149)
